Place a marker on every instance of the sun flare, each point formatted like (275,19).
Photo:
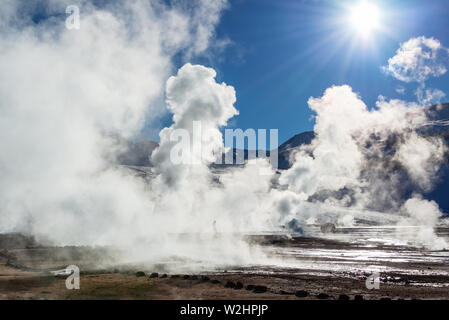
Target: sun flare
(365,18)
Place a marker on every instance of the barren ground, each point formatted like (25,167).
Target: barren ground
(333,269)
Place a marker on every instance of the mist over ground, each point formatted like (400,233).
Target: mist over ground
(66,95)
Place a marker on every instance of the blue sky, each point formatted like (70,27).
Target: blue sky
(284,52)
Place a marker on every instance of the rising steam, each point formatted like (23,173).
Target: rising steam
(366,160)
(63,94)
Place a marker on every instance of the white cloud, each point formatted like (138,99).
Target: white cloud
(429,96)
(418,59)
(400,90)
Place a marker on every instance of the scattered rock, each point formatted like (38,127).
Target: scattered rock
(323,296)
(186,277)
(175,276)
(238,285)
(301,293)
(250,287)
(230,284)
(343,297)
(358,297)
(154,275)
(385,299)
(215,281)
(260,289)
(194,278)
(205,278)
(140,274)
(285,292)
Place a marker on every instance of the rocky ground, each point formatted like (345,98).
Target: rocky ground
(25,274)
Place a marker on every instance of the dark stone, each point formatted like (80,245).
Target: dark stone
(230,284)
(186,277)
(260,289)
(194,278)
(154,275)
(301,293)
(385,299)
(205,278)
(250,287)
(164,275)
(238,285)
(140,274)
(323,296)
(175,276)
(358,297)
(343,297)
(215,281)
(285,292)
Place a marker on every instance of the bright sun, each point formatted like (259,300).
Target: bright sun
(365,18)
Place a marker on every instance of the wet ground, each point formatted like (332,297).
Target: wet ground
(334,267)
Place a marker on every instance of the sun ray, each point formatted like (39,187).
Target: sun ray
(365,18)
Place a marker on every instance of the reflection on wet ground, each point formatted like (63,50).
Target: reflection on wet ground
(357,252)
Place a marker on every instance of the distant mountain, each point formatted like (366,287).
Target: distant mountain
(288,146)
(137,154)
